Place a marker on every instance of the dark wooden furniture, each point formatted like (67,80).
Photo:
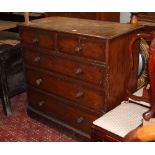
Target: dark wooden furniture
(5,25)
(10,20)
(144,18)
(106,16)
(74,67)
(99,134)
(19,16)
(12,80)
(151,71)
(103,133)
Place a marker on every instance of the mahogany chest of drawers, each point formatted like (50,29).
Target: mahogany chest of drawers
(75,68)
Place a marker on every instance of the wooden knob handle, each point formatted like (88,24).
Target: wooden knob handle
(79,94)
(37,59)
(80,119)
(78,49)
(41,103)
(78,71)
(134,20)
(35,40)
(39,81)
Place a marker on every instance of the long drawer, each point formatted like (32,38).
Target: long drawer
(66,88)
(82,71)
(71,115)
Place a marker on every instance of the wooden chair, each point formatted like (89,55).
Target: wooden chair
(127,117)
(151,72)
(12,79)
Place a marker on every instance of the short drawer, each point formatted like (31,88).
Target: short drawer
(90,48)
(69,114)
(38,38)
(82,71)
(69,89)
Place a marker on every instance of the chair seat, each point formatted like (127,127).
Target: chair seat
(139,93)
(122,119)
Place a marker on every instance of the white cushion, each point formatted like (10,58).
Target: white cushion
(140,93)
(122,119)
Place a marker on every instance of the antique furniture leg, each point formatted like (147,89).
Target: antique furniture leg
(151,70)
(26,17)
(93,135)
(4,89)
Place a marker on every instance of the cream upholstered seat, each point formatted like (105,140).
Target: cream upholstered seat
(124,118)
(121,120)
(139,93)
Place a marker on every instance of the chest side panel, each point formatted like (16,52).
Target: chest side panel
(118,67)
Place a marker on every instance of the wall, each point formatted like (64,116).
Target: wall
(125,17)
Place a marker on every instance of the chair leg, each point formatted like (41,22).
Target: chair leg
(5,93)
(151,71)
(93,138)
(6,104)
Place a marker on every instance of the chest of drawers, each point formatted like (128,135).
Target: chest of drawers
(75,68)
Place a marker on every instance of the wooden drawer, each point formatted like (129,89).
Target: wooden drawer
(81,71)
(71,115)
(38,38)
(90,48)
(66,88)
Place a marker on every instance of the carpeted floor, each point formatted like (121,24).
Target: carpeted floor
(20,128)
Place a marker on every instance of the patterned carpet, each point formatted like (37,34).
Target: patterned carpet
(21,128)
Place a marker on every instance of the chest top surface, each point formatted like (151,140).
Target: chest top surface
(100,29)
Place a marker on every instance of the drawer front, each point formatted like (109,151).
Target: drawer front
(89,73)
(67,89)
(83,47)
(69,114)
(38,38)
